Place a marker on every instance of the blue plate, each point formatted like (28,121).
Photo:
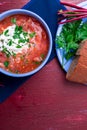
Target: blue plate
(64,63)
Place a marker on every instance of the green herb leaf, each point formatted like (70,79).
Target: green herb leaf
(16,36)
(6,32)
(42,55)
(18,46)
(6,63)
(18,29)
(10,42)
(21,40)
(37,62)
(6,51)
(13,20)
(32,34)
(60,42)
(69,55)
(70,36)
(13,54)
(27,40)
(25,34)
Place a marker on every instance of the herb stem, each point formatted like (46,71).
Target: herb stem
(73,19)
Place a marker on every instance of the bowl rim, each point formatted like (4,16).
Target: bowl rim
(5,14)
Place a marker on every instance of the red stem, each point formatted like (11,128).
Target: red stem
(80,10)
(72,11)
(73,15)
(72,5)
(73,19)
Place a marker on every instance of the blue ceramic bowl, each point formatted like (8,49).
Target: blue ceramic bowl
(22,11)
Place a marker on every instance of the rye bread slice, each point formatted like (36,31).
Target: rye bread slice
(82,50)
(78,68)
(78,74)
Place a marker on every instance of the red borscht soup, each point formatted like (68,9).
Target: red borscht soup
(24,43)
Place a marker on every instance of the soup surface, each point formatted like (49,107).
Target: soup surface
(23,44)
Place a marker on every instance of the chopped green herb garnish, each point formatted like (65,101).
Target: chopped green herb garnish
(18,46)
(6,51)
(37,62)
(10,42)
(42,56)
(32,34)
(25,34)
(6,63)
(6,32)
(21,40)
(13,54)
(18,29)
(16,36)
(13,20)
(27,40)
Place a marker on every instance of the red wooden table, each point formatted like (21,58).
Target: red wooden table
(47,101)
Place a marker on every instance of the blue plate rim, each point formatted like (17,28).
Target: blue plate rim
(59,52)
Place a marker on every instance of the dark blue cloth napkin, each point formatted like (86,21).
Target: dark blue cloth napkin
(47,9)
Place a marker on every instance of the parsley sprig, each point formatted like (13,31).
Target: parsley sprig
(70,37)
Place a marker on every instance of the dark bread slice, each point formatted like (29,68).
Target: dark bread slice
(79,74)
(82,50)
(78,68)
